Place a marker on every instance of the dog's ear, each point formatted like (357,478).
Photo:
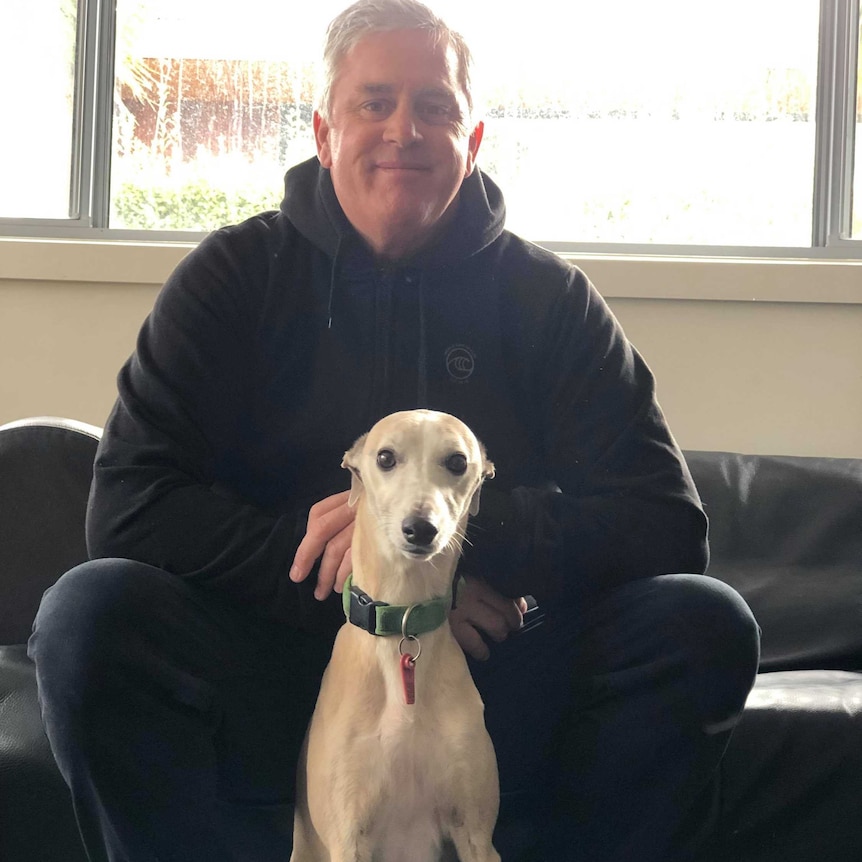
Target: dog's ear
(351,462)
(487,473)
(356,487)
(474,500)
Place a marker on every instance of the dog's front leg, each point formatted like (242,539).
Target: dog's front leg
(359,850)
(471,817)
(472,846)
(343,818)
(353,847)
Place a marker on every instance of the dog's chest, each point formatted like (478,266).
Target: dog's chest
(408,748)
(405,766)
(411,762)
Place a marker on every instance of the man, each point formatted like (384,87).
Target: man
(179,668)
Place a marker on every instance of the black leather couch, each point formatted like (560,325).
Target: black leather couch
(46,465)
(786,532)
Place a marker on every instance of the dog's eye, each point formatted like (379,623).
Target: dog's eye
(457,464)
(385,459)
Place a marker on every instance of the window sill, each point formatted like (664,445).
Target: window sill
(666,277)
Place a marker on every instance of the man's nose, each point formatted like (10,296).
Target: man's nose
(401,127)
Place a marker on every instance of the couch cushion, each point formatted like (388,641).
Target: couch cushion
(35,805)
(792,776)
(46,466)
(787,533)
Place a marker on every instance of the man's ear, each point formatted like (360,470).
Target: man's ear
(487,473)
(321,138)
(351,462)
(473,147)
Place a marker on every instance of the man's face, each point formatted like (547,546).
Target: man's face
(398,142)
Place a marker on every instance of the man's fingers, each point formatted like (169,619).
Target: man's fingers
(335,559)
(502,617)
(482,610)
(344,570)
(326,520)
(497,624)
(493,612)
(470,640)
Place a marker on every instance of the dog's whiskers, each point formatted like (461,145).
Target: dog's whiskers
(460,539)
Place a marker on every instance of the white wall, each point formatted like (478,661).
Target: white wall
(750,356)
(766,378)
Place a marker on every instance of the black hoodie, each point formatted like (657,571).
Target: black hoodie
(279,341)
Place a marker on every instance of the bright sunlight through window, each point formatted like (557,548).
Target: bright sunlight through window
(672,122)
(629,122)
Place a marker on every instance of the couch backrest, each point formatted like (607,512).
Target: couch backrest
(786,532)
(46,467)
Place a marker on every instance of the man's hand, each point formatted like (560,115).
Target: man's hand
(480,608)
(328,536)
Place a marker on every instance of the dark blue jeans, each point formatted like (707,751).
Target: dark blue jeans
(176,718)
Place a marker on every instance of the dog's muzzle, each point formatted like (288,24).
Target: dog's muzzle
(419,533)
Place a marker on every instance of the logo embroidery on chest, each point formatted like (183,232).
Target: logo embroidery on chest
(460,362)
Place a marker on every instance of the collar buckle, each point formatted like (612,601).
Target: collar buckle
(363,610)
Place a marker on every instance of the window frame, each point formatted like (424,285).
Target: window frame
(835,127)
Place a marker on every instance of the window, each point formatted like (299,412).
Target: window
(627,125)
(671,123)
(210,107)
(852,46)
(37,63)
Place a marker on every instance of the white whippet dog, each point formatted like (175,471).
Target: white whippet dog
(397,765)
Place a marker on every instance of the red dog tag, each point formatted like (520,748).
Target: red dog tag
(408,677)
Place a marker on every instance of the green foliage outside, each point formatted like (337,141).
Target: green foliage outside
(203,194)
(194,206)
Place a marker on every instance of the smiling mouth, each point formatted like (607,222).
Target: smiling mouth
(387,166)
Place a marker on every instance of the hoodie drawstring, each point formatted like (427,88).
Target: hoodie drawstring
(333,278)
(422,381)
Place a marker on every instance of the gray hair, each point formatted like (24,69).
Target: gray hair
(365,17)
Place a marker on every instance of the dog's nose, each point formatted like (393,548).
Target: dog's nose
(418,531)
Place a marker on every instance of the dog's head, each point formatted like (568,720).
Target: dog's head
(420,473)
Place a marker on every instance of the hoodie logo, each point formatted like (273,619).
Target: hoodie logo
(460,362)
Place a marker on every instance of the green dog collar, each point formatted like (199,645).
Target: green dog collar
(385,620)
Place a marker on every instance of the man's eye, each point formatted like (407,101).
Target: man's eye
(377,108)
(457,464)
(436,113)
(385,459)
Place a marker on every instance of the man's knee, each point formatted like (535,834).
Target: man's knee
(692,635)
(721,621)
(722,639)
(88,611)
